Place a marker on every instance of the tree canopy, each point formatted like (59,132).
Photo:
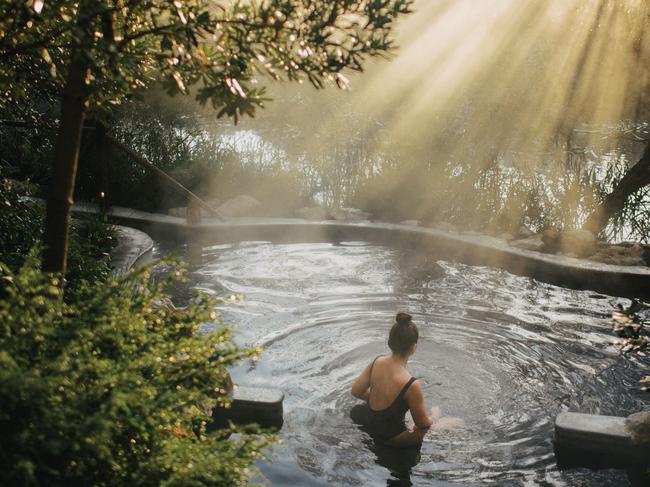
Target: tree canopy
(221,47)
(92,54)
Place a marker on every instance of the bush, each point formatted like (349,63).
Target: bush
(115,389)
(21,229)
(20,223)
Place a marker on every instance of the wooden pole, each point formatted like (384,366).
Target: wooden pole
(101,149)
(163,175)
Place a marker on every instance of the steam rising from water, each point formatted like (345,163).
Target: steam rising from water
(491,89)
(481,84)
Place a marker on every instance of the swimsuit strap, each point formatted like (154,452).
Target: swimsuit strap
(406,386)
(371,366)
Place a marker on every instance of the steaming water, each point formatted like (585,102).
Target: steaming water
(503,352)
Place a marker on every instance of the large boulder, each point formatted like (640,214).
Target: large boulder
(534,242)
(638,425)
(580,243)
(313,213)
(551,239)
(242,205)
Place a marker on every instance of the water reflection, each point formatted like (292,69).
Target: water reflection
(502,352)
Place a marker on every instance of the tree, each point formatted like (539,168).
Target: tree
(94,54)
(634,179)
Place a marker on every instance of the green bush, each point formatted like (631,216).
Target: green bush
(20,223)
(21,228)
(114,389)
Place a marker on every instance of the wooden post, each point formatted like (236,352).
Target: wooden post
(101,152)
(193,213)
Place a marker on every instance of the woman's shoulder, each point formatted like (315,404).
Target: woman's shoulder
(414,388)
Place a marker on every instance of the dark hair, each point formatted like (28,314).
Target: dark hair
(403,334)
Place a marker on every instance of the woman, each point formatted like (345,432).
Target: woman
(389,391)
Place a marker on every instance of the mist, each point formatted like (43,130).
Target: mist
(490,115)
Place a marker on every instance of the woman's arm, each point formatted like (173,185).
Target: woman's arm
(361,386)
(415,398)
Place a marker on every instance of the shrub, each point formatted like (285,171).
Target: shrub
(115,389)
(21,228)
(20,223)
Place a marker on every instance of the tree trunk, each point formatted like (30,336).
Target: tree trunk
(64,169)
(633,180)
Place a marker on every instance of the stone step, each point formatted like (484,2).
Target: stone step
(593,441)
(260,405)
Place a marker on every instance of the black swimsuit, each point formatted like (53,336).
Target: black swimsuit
(386,423)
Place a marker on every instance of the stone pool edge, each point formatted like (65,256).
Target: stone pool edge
(469,248)
(134,248)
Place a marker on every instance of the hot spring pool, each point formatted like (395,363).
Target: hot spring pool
(503,352)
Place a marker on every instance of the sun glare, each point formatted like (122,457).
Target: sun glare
(509,74)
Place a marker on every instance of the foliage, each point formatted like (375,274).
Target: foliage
(21,222)
(113,389)
(26,153)
(216,163)
(218,46)
(501,192)
(91,241)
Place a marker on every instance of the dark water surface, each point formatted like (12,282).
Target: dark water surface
(503,352)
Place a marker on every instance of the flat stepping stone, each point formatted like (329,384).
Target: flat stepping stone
(593,441)
(260,405)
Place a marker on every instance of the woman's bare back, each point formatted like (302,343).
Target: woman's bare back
(386,382)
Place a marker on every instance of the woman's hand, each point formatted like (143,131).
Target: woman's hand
(443,423)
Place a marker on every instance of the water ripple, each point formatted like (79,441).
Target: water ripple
(503,352)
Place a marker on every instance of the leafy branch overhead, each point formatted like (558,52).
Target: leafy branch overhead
(219,47)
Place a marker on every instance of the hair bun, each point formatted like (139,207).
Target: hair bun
(403,318)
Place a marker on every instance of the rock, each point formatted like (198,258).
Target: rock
(410,223)
(205,213)
(551,239)
(349,214)
(535,242)
(624,254)
(506,236)
(524,232)
(213,202)
(312,213)
(242,205)
(582,243)
(180,212)
(638,425)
